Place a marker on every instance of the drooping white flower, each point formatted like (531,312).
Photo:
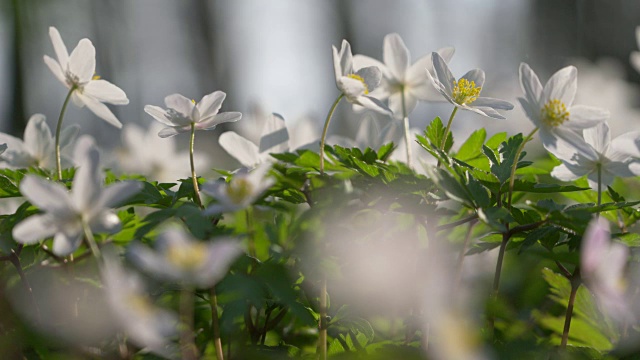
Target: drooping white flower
(274,139)
(464,93)
(76,71)
(143,152)
(598,156)
(551,109)
(66,213)
(145,324)
(181,258)
(602,264)
(356,86)
(398,75)
(635,55)
(240,192)
(38,146)
(182,113)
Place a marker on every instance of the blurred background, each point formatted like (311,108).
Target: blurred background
(277,55)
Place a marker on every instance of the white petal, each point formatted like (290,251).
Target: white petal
(530,84)
(584,117)
(361,61)
(58,46)
(351,88)
(240,148)
(210,104)
(172,131)
(475,75)
(56,69)
(68,135)
(114,194)
(49,196)
(634,59)
(337,68)
(606,179)
(180,104)
(87,182)
(396,56)
(159,114)
(619,168)
(82,61)
(564,143)
(371,76)
(65,243)
(532,111)
(105,221)
(493,103)
(598,137)
(149,261)
(37,137)
(628,143)
(34,229)
(562,86)
(346,58)
(105,91)
(275,137)
(594,243)
(566,172)
(101,110)
(222,253)
(484,111)
(218,119)
(374,104)
(395,104)
(443,74)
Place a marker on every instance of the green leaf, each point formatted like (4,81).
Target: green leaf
(538,188)
(548,236)
(472,147)
(435,133)
(495,217)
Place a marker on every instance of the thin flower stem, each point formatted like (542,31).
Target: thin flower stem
(322,338)
(407,134)
(194,177)
(512,177)
(446,131)
(187,345)
(58,128)
(14,258)
(599,166)
(215,326)
(324,131)
(575,284)
(95,250)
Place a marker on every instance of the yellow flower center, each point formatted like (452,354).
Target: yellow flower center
(95,77)
(239,189)
(554,113)
(465,91)
(140,304)
(193,101)
(359,78)
(187,256)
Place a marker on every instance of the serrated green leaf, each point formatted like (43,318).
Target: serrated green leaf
(472,147)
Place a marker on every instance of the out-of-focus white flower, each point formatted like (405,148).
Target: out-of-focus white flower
(599,159)
(551,110)
(143,152)
(38,147)
(181,258)
(182,113)
(370,134)
(76,71)
(274,139)
(635,55)
(465,92)
(240,192)
(67,213)
(398,75)
(356,86)
(602,264)
(145,324)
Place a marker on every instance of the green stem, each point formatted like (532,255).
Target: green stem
(58,128)
(324,131)
(407,134)
(599,186)
(575,284)
(187,344)
(512,177)
(194,177)
(215,325)
(95,250)
(446,131)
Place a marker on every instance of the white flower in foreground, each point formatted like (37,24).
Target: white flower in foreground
(464,93)
(398,75)
(181,258)
(598,156)
(76,71)
(551,110)
(356,86)
(38,147)
(182,113)
(635,55)
(66,213)
(274,139)
(240,192)
(145,324)
(602,264)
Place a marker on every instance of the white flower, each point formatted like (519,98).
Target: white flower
(635,55)
(240,192)
(182,113)
(598,155)
(274,139)
(66,213)
(602,264)
(145,324)
(38,147)
(181,258)
(356,86)
(398,74)
(76,71)
(465,92)
(143,152)
(551,110)
(370,134)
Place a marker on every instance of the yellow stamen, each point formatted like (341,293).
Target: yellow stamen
(95,77)
(465,91)
(187,256)
(193,101)
(359,78)
(239,189)
(554,113)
